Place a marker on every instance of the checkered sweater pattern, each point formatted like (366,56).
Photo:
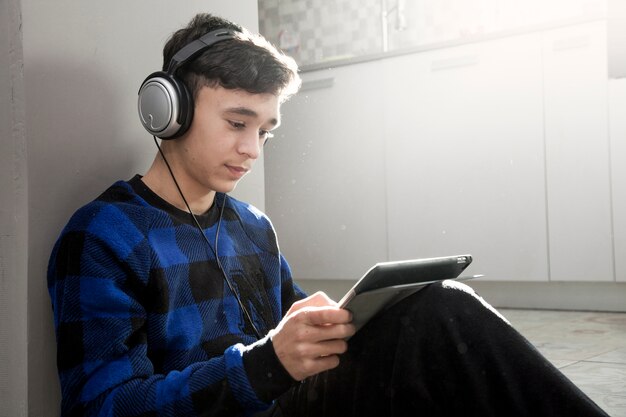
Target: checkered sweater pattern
(146,326)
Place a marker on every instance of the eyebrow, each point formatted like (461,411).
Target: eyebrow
(244,111)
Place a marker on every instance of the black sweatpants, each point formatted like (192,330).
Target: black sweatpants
(441,352)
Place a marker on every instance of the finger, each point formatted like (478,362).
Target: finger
(319,334)
(326,315)
(332,332)
(331,348)
(319,299)
(309,351)
(325,363)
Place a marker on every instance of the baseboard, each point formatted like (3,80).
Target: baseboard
(583,296)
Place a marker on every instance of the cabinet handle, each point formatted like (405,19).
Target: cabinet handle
(317,84)
(457,62)
(570,43)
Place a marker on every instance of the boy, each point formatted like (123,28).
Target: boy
(172,298)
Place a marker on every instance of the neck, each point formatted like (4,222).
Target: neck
(159,180)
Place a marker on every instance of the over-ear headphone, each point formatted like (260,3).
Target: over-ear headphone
(165,103)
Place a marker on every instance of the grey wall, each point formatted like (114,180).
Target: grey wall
(69,74)
(13,221)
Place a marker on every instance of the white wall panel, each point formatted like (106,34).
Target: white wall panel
(577,152)
(325,189)
(499,149)
(465,157)
(617,118)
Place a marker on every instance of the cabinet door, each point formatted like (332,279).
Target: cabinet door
(577,153)
(325,174)
(617,120)
(465,156)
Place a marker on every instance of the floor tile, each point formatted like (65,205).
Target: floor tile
(570,350)
(605,383)
(588,347)
(614,356)
(562,363)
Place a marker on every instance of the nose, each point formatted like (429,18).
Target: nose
(250,145)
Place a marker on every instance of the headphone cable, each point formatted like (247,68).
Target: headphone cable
(217,232)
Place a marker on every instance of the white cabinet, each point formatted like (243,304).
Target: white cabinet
(465,156)
(617,132)
(501,149)
(577,154)
(325,189)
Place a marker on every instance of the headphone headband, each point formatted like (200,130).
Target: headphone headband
(165,104)
(193,49)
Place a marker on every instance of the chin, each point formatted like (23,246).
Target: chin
(227,187)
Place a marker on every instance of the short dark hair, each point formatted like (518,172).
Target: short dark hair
(248,62)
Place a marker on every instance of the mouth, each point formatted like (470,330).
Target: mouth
(237,171)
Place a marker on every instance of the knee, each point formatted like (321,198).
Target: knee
(452,298)
(448,290)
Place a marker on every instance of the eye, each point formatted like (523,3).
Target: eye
(265,134)
(237,125)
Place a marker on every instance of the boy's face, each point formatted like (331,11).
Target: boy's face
(228,131)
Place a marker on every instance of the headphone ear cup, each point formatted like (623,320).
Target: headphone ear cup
(165,106)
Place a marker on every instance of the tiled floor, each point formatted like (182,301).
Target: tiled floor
(588,347)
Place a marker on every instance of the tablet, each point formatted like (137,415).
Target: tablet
(387,283)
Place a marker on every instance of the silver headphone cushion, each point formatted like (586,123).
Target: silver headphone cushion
(159,107)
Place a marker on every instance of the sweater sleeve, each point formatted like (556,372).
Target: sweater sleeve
(290,291)
(102,359)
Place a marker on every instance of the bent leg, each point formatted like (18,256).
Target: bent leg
(441,352)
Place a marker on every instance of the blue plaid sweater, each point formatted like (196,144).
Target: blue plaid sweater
(145,324)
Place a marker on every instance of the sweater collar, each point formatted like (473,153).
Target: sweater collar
(181,216)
